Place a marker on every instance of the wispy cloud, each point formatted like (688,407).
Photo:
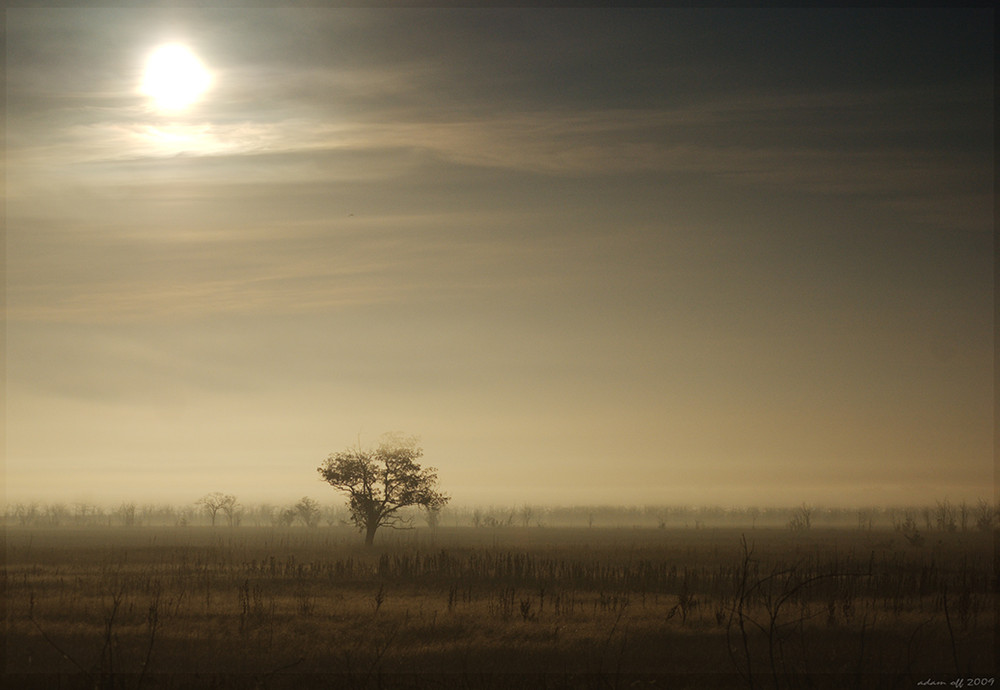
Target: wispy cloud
(832,143)
(224,171)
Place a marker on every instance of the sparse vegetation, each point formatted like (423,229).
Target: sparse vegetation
(118,607)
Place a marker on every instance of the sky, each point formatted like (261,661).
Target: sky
(588,256)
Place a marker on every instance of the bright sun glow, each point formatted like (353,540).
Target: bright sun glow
(175,78)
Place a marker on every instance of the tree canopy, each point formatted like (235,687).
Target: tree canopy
(382,480)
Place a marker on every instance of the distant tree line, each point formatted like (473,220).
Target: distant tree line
(226,511)
(215,509)
(306,512)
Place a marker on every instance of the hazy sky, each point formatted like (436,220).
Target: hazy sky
(601,256)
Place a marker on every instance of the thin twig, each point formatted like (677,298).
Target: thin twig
(59,649)
(951,632)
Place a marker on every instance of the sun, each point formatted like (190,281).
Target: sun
(175,78)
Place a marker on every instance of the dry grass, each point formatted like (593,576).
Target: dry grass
(262,607)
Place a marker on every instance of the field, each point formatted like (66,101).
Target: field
(265,607)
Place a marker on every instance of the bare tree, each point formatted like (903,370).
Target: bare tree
(985,515)
(526,513)
(432,515)
(944,516)
(381,481)
(925,513)
(284,517)
(126,513)
(216,501)
(231,509)
(56,513)
(84,512)
(308,511)
(866,517)
(262,514)
(801,518)
(26,514)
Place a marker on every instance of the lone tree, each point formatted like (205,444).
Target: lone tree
(381,481)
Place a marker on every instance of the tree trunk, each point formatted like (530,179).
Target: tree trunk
(370,532)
